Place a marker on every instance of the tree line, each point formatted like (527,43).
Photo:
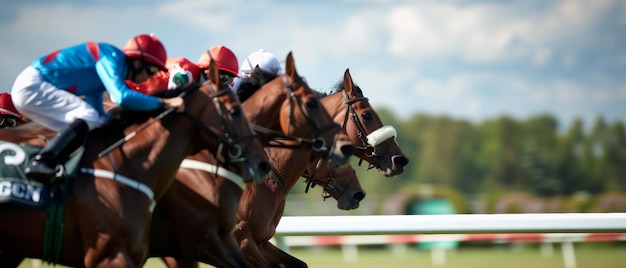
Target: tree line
(532,155)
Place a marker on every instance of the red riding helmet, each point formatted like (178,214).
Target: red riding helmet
(223,57)
(7,107)
(185,64)
(148,48)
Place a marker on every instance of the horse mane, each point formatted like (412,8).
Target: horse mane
(336,88)
(250,85)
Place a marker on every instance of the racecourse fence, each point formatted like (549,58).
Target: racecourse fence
(546,228)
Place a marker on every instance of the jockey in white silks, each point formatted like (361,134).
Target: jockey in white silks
(266,61)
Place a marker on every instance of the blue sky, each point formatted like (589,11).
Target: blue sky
(474,60)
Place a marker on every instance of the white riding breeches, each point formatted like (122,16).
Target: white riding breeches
(48,105)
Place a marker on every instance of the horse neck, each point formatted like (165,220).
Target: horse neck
(289,164)
(263,107)
(29,132)
(157,151)
(335,106)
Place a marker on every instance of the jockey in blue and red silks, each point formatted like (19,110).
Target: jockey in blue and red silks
(63,91)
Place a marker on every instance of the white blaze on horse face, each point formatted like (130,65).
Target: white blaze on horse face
(382,134)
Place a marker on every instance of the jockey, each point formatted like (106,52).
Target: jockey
(9,116)
(182,72)
(63,91)
(264,60)
(226,61)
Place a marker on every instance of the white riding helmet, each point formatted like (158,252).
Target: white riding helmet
(265,60)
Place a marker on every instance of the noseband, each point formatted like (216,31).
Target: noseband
(368,141)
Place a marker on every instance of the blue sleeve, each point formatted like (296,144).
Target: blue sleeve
(96,101)
(112,72)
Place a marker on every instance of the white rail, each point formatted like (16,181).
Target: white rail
(453,224)
(558,224)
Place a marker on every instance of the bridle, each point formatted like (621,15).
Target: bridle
(368,149)
(327,182)
(234,151)
(230,141)
(316,144)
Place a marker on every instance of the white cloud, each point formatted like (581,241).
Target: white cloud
(488,32)
(469,60)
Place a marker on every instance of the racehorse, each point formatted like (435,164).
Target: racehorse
(194,220)
(262,205)
(109,204)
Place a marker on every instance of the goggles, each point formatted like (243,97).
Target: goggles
(8,121)
(152,69)
(226,78)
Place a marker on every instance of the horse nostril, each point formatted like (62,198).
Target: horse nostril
(348,149)
(399,161)
(359,195)
(264,167)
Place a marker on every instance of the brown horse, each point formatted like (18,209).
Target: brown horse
(108,207)
(262,205)
(194,220)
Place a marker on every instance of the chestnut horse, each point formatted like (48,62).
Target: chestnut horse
(194,220)
(262,205)
(109,205)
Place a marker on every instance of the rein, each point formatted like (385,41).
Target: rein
(327,182)
(316,144)
(369,148)
(234,153)
(369,141)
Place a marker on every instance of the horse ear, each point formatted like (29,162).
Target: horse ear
(347,82)
(290,66)
(214,72)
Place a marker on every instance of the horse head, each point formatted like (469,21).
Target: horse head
(340,183)
(300,115)
(244,150)
(377,141)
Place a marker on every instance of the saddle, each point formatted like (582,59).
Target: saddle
(16,188)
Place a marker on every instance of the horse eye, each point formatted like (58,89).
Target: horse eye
(311,103)
(367,116)
(235,111)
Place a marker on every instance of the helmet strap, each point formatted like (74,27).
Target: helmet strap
(208,51)
(203,72)
(250,63)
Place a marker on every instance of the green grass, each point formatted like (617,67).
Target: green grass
(592,255)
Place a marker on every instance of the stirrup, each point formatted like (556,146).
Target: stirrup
(36,172)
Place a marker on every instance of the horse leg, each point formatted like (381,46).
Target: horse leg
(221,250)
(172,262)
(248,246)
(278,258)
(231,244)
